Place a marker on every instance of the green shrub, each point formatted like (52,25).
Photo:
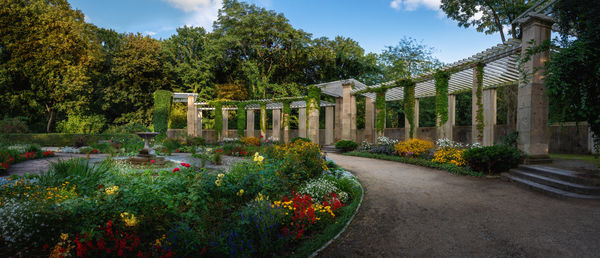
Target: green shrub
(60,139)
(493,159)
(511,139)
(193,141)
(162,106)
(178,116)
(13,125)
(171,145)
(346,145)
(300,139)
(77,171)
(296,162)
(92,124)
(126,129)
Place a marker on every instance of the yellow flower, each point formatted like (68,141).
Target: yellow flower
(221,175)
(112,190)
(64,236)
(218,182)
(129,219)
(241,192)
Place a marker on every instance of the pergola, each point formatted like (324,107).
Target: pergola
(485,71)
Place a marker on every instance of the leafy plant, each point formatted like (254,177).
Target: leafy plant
(162,109)
(346,145)
(13,125)
(493,159)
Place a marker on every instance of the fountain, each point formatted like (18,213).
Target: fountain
(145,156)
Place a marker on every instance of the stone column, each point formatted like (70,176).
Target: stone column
(302,122)
(338,120)
(192,116)
(263,124)
(448,127)
(347,112)
(276,124)
(476,136)
(532,109)
(370,120)
(313,123)
(407,124)
(225,132)
(286,127)
(328,126)
(353,118)
(250,123)
(489,116)
(199,124)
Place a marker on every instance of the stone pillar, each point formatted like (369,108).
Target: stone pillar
(225,132)
(370,120)
(192,116)
(347,112)
(532,109)
(199,124)
(591,141)
(489,116)
(276,124)
(328,126)
(338,120)
(263,124)
(407,124)
(476,136)
(353,118)
(302,122)
(250,123)
(449,125)
(313,123)
(286,127)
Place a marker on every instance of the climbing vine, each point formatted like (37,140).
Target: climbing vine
(479,93)
(263,118)
(218,118)
(409,104)
(287,110)
(162,109)
(441,95)
(241,118)
(313,101)
(380,107)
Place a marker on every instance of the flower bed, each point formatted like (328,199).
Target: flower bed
(82,210)
(19,153)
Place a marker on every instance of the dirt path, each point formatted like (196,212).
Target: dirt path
(40,165)
(419,212)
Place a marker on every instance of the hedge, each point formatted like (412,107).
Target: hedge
(419,162)
(162,109)
(62,139)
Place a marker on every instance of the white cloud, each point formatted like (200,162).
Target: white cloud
(411,5)
(202,13)
(149,33)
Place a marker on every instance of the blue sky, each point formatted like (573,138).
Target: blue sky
(373,23)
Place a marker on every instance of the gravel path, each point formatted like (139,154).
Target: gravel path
(419,212)
(41,165)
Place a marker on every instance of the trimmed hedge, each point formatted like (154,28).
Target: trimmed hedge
(62,139)
(162,109)
(346,145)
(493,159)
(419,162)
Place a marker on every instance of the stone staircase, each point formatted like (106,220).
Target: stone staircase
(555,181)
(329,149)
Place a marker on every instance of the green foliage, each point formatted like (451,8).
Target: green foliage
(511,139)
(409,105)
(479,91)
(218,119)
(13,125)
(407,59)
(56,139)
(380,111)
(441,95)
(493,159)
(463,108)
(126,129)
(78,172)
(263,118)
(454,169)
(346,145)
(92,124)
(241,119)
(178,116)
(287,110)
(300,139)
(488,16)
(162,109)
(573,73)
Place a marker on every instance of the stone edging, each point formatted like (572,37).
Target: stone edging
(347,223)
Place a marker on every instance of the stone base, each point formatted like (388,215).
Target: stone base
(145,159)
(537,159)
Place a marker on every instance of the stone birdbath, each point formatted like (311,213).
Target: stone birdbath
(144,155)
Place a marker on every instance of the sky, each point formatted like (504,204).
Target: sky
(374,24)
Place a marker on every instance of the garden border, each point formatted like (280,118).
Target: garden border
(362,190)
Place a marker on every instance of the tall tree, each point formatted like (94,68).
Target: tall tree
(139,70)
(46,50)
(408,58)
(488,16)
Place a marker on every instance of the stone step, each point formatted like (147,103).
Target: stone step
(547,189)
(556,183)
(562,174)
(330,149)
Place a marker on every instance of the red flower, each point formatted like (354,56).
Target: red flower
(183,164)
(95,151)
(203,250)
(177,150)
(175,170)
(152,161)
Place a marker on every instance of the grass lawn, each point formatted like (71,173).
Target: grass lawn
(583,157)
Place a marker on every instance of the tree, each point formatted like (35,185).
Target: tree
(573,73)
(139,70)
(488,16)
(47,50)
(407,59)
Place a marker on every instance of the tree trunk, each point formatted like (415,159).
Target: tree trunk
(50,119)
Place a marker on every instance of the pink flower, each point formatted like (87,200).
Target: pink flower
(152,161)
(175,170)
